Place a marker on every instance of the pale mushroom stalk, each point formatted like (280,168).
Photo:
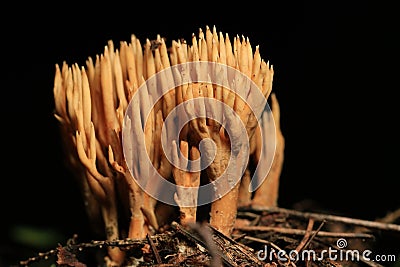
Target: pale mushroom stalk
(188,182)
(268,192)
(72,162)
(78,114)
(224,207)
(213,47)
(244,195)
(135,197)
(103,189)
(126,65)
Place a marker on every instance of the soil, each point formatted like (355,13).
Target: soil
(262,237)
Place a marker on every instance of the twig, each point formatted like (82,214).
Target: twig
(308,241)
(390,217)
(255,218)
(306,236)
(241,247)
(292,231)
(248,214)
(231,240)
(336,218)
(125,243)
(314,234)
(154,249)
(41,256)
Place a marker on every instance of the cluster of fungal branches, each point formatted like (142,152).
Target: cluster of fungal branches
(91,105)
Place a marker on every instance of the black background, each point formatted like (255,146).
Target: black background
(331,79)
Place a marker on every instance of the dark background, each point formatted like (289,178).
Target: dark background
(331,79)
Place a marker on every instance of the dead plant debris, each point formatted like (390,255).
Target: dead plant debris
(263,237)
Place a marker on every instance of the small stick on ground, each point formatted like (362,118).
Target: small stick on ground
(391,217)
(306,236)
(334,218)
(292,231)
(154,249)
(308,241)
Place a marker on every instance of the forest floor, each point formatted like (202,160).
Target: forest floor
(261,237)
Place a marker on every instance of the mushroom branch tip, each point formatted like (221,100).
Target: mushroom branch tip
(118,123)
